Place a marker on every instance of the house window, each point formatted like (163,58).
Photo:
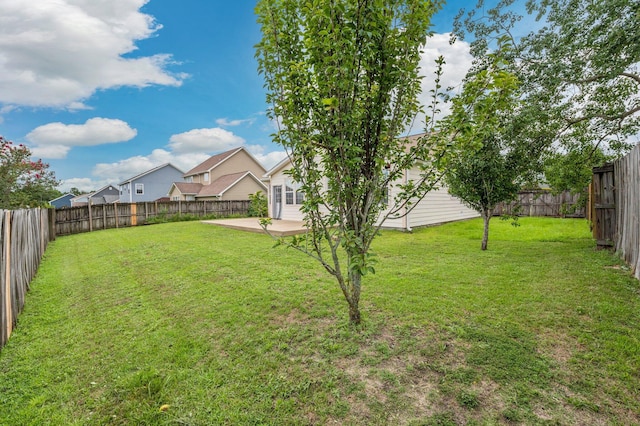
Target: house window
(189,179)
(139,188)
(293,193)
(175,198)
(206,176)
(288,194)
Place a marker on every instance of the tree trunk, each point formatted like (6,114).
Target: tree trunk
(354,300)
(486,217)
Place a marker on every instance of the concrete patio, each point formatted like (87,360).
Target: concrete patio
(278,228)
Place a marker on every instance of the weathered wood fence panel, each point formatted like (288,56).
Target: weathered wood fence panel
(626,175)
(603,205)
(615,207)
(542,203)
(24,235)
(76,220)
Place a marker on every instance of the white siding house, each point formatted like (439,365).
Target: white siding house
(438,206)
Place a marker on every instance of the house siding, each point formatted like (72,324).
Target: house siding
(240,161)
(62,201)
(438,206)
(156,185)
(242,189)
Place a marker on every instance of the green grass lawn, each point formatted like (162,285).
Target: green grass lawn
(224,329)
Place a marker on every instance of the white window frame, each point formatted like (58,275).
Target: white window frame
(139,189)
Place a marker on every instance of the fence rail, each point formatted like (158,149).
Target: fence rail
(76,220)
(24,235)
(542,203)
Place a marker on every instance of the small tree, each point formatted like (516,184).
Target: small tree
(23,182)
(343,80)
(500,159)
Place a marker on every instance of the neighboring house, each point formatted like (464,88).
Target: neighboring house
(62,201)
(150,185)
(231,175)
(438,206)
(105,195)
(80,200)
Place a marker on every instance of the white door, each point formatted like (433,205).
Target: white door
(276,211)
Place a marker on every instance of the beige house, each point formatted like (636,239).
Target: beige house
(231,175)
(438,206)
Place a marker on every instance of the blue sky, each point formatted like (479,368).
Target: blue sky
(105,89)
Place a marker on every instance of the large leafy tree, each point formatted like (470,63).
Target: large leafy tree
(500,158)
(342,79)
(580,70)
(23,182)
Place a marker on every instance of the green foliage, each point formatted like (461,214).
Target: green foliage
(258,206)
(579,71)
(342,79)
(23,182)
(573,171)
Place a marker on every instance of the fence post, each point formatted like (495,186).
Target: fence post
(7,274)
(134,214)
(52,224)
(90,216)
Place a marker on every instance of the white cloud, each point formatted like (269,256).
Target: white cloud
(83,184)
(54,140)
(225,122)
(52,152)
(59,52)
(267,159)
(95,131)
(132,166)
(458,61)
(204,140)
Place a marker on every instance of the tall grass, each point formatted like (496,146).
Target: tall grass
(187,323)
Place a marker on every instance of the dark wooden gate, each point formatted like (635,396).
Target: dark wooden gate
(603,205)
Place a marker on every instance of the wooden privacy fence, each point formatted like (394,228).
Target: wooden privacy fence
(24,235)
(627,235)
(542,203)
(615,207)
(76,220)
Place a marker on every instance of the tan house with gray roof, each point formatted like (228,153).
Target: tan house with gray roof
(231,175)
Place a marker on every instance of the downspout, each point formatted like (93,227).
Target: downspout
(405,219)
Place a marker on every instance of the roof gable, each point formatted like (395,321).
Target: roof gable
(105,188)
(214,161)
(224,183)
(187,187)
(211,162)
(155,169)
(67,196)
